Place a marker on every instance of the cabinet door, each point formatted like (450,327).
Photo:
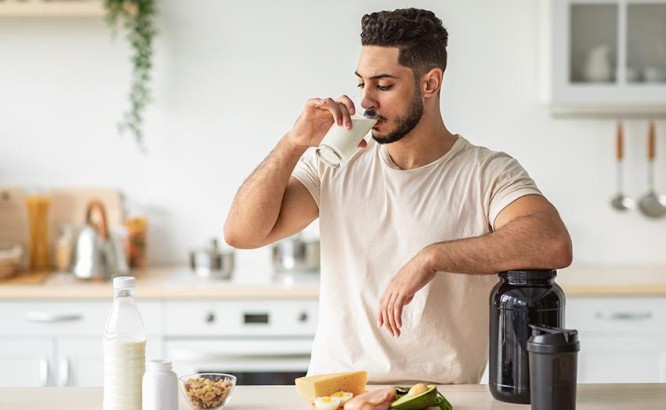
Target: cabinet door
(80,362)
(608,56)
(26,363)
(616,358)
(622,339)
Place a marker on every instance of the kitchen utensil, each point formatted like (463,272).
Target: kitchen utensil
(69,205)
(198,393)
(652,204)
(212,262)
(296,254)
(98,253)
(620,201)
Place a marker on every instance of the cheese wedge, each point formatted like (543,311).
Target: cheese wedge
(311,387)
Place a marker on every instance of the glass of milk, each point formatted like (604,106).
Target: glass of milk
(339,142)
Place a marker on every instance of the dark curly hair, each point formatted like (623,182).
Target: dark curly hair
(418,34)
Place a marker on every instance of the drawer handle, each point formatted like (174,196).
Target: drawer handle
(64,372)
(44,372)
(45,317)
(624,315)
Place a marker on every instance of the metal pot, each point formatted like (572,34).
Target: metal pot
(97,253)
(212,262)
(296,255)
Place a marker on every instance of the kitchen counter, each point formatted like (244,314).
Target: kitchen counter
(179,283)
(163,283)
(469,397)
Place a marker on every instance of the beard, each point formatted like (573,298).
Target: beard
(405,123)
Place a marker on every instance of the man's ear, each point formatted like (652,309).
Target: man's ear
(431,82)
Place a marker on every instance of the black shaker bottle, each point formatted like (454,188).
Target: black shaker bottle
(553,354)
(520,298)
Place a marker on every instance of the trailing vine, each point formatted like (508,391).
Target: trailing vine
(138,20)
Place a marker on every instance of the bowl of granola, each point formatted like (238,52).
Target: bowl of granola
(209,391)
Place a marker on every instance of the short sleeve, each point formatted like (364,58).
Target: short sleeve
(307,172)
(507,181)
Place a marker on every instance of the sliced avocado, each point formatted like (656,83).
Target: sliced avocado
(419,402)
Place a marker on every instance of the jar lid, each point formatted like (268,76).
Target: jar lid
(548,339)
(529,274)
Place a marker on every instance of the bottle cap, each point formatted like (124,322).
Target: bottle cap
(160,364)
(547,339)
(124,282)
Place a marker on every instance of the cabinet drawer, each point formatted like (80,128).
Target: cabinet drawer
(241,317)
(67,318)
(617,314)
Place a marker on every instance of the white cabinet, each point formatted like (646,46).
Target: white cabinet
(26,362)
(606,57)
(59,343)
(622,340)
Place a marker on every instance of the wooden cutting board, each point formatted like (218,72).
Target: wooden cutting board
(68,206)
(26,278)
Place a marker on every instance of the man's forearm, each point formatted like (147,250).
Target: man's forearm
(528,242)
(257,204)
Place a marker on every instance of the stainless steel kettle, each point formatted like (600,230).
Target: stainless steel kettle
(97,253)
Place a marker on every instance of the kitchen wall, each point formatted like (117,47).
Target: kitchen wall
(232,76)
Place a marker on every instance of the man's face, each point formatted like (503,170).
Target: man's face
(388,88)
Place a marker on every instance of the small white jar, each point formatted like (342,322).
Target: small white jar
(160,387)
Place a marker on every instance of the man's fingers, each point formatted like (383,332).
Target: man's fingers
(348,103)
(391,316)
(380,316)
(339,110)
(397,312)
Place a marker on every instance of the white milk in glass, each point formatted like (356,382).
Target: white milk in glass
(339,142)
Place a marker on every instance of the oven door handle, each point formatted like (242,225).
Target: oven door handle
(211,356)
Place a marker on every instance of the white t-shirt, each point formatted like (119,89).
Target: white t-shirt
(373,218)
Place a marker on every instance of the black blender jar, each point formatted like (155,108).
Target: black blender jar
(521,298)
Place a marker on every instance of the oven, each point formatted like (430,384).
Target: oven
(260,341)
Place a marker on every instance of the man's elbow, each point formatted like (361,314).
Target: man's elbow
(561,251)
(235,238)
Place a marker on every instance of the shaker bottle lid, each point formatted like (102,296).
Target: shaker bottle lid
(124,282)
(547,339)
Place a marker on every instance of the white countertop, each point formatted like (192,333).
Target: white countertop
(180,283)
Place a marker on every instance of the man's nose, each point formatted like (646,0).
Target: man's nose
(367,101)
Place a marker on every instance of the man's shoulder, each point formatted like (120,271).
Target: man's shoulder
(480,153)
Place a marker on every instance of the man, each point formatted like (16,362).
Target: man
(414,226)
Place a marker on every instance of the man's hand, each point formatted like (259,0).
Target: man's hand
(318,116)
(410,279)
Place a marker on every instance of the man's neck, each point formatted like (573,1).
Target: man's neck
(427,142)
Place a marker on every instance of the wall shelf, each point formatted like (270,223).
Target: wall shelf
(70,8)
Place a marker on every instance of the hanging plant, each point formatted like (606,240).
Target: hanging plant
(138,20)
